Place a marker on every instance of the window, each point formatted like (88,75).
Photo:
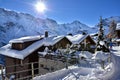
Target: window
(41,65)
(52,68)
(47,68)
(21,63)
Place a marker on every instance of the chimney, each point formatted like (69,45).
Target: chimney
(70,34)
(46,33)
(84,33)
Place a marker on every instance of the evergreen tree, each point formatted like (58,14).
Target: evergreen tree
(100,34)
(101,46)
(101,31)
(101,37)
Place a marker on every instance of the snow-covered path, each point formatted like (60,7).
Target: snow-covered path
(114,74)
(66,74)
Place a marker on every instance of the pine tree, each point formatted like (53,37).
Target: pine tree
(100,35)
(101,31)
(101,42)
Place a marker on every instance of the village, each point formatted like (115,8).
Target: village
(26,57)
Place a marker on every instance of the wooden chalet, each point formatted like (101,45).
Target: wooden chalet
(85,42)
(118,30)
(116,41)
(22,51)
(56,42)
(19,52)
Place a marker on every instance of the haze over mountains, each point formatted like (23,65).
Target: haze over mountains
(15,25)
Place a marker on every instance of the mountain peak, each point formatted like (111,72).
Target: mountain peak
(24,24)
(76,22)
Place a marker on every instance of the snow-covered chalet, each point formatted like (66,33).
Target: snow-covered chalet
(25,51)
(85,42)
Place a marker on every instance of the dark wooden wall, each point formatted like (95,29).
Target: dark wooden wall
(21,46)
(118,33)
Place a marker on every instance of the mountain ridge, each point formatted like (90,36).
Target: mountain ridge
(16,24)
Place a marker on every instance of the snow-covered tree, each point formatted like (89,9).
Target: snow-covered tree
(101,44)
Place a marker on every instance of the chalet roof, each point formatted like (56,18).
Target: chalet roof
(21,54)
(52,40)
(76,39)
(7,51)
(25,39)
(118,26)
(116,40)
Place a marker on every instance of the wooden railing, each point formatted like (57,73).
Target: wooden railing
(30,70)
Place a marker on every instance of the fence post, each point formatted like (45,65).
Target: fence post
(32,66)
(39,65)
(2,72)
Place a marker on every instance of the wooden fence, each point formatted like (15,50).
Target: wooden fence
(31,70)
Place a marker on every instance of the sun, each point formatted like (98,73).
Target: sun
(40,7)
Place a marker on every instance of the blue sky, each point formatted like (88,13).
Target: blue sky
(66,11)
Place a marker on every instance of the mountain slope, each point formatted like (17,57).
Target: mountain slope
(14,25)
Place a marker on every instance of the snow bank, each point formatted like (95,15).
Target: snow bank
(99,55)
(66,74)
(86,54)
(114,74)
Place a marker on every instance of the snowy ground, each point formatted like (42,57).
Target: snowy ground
(78,72)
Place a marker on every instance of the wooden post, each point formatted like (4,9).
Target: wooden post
(39,65)
(103,64)
(32,66)
(2,72)
(85,44)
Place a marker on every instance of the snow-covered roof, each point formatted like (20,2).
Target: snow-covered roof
(76,39)
(102,43)
(7,51)
(21,54)
(118,26)
(42,53)
(117,40)
(25,39)
(46,51)
(52,40)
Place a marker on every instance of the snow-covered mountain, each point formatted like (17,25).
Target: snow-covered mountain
(14,24)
